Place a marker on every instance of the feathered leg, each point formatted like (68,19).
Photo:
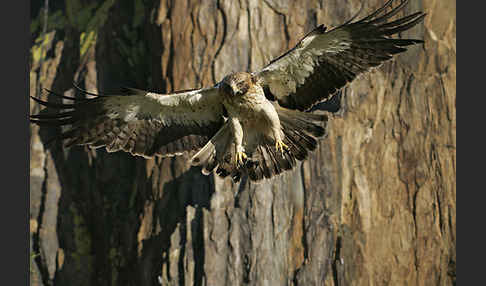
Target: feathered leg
(275,124)
(237,129)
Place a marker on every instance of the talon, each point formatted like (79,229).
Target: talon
(240,158)
(279,145)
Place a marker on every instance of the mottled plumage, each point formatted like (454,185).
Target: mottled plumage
(256,124)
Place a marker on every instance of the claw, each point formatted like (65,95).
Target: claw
(279,145)
(240,158)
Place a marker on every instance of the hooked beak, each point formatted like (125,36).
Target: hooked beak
(233,88)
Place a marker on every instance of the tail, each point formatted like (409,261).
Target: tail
(301,130)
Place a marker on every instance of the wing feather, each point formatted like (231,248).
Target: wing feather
(325,61)
(143,123)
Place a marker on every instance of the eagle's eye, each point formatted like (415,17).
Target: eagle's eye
(242,88)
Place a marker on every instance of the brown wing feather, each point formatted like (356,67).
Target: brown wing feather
(324,62)
(143,124)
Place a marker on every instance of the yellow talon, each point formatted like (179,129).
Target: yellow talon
(240,157)
(279,145)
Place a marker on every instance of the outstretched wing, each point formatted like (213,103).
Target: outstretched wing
(323,62)
(143,123)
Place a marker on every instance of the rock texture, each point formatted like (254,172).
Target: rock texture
(374,205)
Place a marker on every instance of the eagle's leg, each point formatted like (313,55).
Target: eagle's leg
(281,146)
(237,129)
(278,134)
(240,158)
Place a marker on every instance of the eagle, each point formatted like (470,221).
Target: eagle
(257,123)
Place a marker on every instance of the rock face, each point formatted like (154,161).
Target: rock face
(374,205)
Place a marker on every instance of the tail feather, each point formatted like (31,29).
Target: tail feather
(296,120)
(300,130)
(297,149)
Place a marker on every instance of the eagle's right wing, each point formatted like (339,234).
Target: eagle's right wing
(143,123)
(323,62)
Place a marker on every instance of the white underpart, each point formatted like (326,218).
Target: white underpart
(254,115)
(237,131)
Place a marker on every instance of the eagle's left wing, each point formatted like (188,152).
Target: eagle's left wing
(143,123)
(323,62)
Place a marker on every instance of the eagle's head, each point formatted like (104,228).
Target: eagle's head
(237,84)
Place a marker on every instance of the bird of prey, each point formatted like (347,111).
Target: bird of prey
(250,123)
